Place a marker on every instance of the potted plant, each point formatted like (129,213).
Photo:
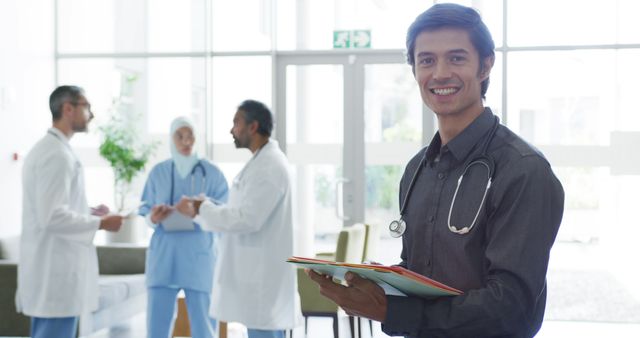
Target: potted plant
(126,153)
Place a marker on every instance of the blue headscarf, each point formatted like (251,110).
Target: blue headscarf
(184,164)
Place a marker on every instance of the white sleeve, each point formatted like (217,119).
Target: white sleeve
(248,216)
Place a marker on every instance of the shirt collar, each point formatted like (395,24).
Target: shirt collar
(461,145)
(59,135)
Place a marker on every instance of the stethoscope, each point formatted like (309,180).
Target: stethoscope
(193,171)
(398,227)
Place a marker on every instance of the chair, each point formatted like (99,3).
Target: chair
(349,248)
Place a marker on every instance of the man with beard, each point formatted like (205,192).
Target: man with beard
(58,264)
(253,284)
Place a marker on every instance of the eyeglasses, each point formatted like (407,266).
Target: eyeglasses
(85,104)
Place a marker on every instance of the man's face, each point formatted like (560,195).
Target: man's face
(447,69)
(183,139)
(241,131)
(81,114)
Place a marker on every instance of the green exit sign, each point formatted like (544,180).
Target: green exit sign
(359,38)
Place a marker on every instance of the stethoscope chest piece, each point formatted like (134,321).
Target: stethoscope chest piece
(397,228)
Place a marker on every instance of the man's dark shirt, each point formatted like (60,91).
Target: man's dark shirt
(501,263)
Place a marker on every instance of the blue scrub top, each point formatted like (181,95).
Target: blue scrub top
(182,259)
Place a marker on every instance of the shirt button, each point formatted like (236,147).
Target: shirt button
(431,219)
(428,262)
(440,175)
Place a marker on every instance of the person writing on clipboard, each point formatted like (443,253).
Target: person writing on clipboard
(253,284)
(180,255)
(480,207)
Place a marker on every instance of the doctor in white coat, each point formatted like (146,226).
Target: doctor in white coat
(58,264)
(253,284)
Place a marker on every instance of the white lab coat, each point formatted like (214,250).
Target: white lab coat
(253,283)
(58,264)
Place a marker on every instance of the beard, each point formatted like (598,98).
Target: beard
(80,127)
(240,143)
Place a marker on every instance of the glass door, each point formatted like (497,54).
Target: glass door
(393,134)
(349,123)
(310,109)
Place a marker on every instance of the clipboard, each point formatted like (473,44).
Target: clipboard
(177,222)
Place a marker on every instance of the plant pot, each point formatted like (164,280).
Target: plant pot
(129,232)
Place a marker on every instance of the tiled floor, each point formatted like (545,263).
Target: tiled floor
(322,328)
(583,285)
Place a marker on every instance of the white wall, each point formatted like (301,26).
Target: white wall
(26,80)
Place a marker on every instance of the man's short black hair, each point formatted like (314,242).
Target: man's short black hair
(257,111)
(60,96)
(453,16)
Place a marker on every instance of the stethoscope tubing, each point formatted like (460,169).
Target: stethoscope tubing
(398,227)
(192,174)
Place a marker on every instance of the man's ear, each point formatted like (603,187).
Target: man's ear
(67,109)
(486,66)
(253,127)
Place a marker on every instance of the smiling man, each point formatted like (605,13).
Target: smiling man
(481,206)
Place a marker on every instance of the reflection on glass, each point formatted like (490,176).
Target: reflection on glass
(585,190)
(235,79)
(158,89)
(319,183)
(598,231)
(114,26)
(102,80)
(310,24)
(562,97)
(592,22)
(382,186)
(627,21)
(241,25)
(97,19)
(176,87)
(494,92)
(393,131)
(393,110)
(175,25)
(626,108)
(315,104)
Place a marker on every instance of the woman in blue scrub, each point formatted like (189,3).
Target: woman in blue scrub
(183,259)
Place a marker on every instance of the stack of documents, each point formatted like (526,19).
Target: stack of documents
(395,280)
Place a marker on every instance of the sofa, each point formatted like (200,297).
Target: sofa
(122,288)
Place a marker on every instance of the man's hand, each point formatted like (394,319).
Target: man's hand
(186,207)
(100,210)
(362,297)
(111,222)
(159,213)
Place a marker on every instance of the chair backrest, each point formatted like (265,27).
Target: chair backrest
(371,240)
(350,244)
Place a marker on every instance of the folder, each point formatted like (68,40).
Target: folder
(394,280)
